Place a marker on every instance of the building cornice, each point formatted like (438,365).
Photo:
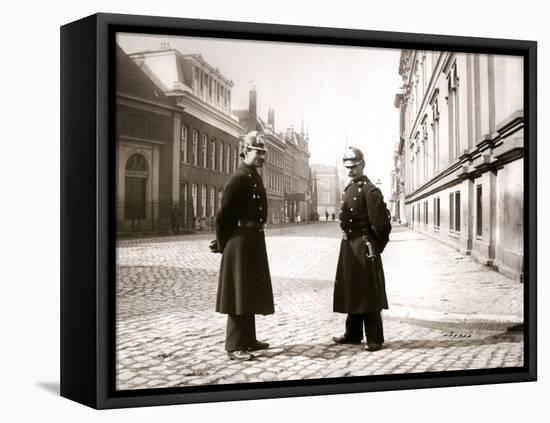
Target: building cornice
(142,103)
(141,140)
(491,153)
(203,111)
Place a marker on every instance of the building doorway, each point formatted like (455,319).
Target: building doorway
(135,185)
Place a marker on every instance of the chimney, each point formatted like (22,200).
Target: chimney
(252,109)
(271,119)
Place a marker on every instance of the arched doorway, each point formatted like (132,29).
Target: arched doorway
(137,173)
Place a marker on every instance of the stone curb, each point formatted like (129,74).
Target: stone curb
(459,321)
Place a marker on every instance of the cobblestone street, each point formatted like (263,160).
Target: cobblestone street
(446,312)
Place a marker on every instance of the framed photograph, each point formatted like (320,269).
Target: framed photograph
(258,211)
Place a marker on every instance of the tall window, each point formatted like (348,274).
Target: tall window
(479,211)
(194,193)
(425,151)
(454,211)
(183,202)
(203,201)
(417,160)
(436,213)
(220,193)
(426,213)
(435,129)
(454,143)
(203,150)
(213,155)
(212,204)
(457,211)
(196,87)
(195,158)
(235,164)
(184,146)
(227,158)
(220,156)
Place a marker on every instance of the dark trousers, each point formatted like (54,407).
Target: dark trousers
(241,332)
(374,329)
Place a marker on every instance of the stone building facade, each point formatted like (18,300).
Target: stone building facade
(147,126)
(460,155)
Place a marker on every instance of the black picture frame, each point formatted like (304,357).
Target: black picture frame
(87,219)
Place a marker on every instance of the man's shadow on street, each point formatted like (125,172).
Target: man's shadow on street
(329,351)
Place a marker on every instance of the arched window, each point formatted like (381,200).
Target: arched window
(137,173)
(137,163)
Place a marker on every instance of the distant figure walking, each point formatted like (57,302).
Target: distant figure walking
(333,216)
(326,215)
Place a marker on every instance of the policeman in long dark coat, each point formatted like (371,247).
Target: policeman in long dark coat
(359,289)
(244,288)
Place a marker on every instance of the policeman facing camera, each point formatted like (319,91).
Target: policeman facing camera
(244,288)
(359,289)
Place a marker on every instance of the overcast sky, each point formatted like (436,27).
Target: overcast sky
(338,92)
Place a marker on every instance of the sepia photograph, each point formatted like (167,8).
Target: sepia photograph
(291,211)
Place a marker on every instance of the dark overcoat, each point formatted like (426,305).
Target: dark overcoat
(360,285)
(244,282)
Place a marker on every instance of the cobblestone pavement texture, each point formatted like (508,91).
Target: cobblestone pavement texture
(168,334)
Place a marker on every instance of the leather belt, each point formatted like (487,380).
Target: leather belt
(351,234)
(250,224)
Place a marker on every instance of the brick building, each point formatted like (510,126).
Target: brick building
(273,170)
(208,134)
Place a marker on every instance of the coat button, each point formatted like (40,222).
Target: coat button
(351,209)
(260,208)
(351,220)
(359,190)
(261,220)
(354,198)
